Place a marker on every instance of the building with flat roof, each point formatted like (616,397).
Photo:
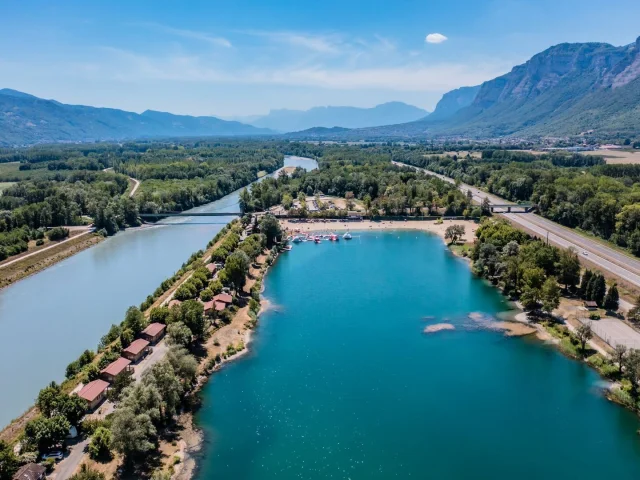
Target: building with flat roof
(94,393)
(154,332)
(111,371)
(136,350)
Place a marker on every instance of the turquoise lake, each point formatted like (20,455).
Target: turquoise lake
(342,383)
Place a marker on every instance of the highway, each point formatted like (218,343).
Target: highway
(607,259)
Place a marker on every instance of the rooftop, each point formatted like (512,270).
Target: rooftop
(174,302)
(93,390)
(220,306)
(209,305)
(223,297)
(154,329)
(211,267)
(117,367)
(30,471)
(136,346)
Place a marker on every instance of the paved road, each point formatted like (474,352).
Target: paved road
(68,465)
(606,258)
(158,353)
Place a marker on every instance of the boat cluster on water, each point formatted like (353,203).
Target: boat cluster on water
(331,237)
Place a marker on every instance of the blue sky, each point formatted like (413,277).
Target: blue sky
(246,57)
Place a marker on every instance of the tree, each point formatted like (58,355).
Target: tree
(634,314)
(92,372)
(159,314)
(47,401)
(270,227)
(486,206)
(162,376)
(584,334)
(620,354)
(184,364)
(584,283)
(245,202)
(87,473)
(132,434)
(287,201)
(8,461)
(72,407)
(120,383)
(134,320)
(192,315)
(598,289)
(612,299)
(46,433)
(568,268)
(179,334)
(100,445)
(454,233)
(237,268)
(550,294)
(632,369)
(126,337)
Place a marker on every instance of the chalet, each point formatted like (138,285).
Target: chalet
(154,332)
(590,305)
(174,302)
(212,268)
(209,306)
(111,371)
(30,471)
(220,306)
(94,393)
(138,349)
(224,298)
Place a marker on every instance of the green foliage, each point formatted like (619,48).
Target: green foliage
(612,298)
(87,473)
(45,433)
(100,445)
(237,269)
(134,320)
(179,334)
(9,463)
(57,233)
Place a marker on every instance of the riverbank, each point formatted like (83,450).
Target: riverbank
(30,263)
(431,226)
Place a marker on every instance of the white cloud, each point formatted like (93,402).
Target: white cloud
(435,38)
(191,34)
(315,43)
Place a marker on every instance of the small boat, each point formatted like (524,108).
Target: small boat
(333,237)
(296,239)
(288,248)
(317,239)
(347,236)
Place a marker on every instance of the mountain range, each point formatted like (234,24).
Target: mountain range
(568,89)
(26,119)
(344,117)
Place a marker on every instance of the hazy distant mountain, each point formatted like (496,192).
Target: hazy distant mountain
(454,101)
(345,117)
(25,119)
(566,90)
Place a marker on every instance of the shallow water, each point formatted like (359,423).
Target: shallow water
(341,382)
(49,319)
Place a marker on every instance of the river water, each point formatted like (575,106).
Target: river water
(342,383)
(48,319)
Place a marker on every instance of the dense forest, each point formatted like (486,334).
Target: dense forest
(576,191)
(359,173)
(49,186)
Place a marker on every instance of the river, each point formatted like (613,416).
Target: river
(48,319)
(341,382)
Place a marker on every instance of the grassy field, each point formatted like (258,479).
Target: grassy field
(5,185)
(619,156)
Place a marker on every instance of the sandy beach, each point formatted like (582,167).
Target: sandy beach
(364,225)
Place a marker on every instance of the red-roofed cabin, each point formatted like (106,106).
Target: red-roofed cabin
(212,268)
(94,393)
(209,306)
(138,349)
(174,302)
(111,371)
(223,297)
(30,471)
(220,306)
(154,332)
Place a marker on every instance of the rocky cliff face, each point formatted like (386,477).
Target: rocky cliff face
(454,101)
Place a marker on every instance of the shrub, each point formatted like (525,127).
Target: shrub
(57,233)
(39,242)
